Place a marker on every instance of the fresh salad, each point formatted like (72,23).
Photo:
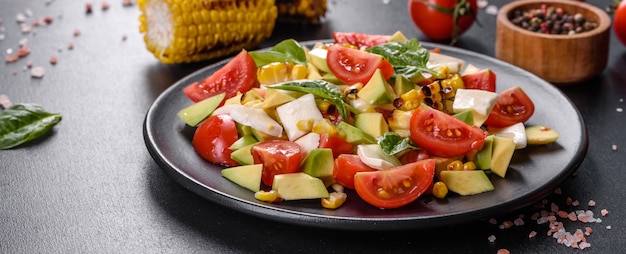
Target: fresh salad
(379,114)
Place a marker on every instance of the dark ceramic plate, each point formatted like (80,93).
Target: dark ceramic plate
(533,174)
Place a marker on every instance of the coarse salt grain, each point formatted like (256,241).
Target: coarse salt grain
(591,203)
(5,102)
(614,147)
(604,212)
(503,251)
(492,10)
(619,110)
(518,222)
(493,221)
(37,72)
(575,203)
(491,238)
(532,234)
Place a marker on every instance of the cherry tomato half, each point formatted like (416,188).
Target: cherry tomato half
(619,22)
(397,186)
(238,75)
(443,135)
(360,40)
(336,143)
(277,157)
(213,137)
(439,25)
(352,66)
(346,166)
(513,106)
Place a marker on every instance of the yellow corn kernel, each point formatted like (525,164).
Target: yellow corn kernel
(440,190)
(305,125)
(301,11)
(181,31)
(298,72)
(324,126)
(470,165)
(443,70)
(409,100)
(334,200)
(267,196)
(451,84)
(455,165)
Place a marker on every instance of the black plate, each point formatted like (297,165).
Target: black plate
(533,174)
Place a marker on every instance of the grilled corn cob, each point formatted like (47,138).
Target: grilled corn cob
(182,31)
(301,11)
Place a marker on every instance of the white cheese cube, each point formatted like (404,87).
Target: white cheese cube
(516,132)
(303,108)
(480,102)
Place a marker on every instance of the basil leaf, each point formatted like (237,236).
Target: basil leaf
(21,123)
(392,143)
(408,58)
(286,51)
(320,88)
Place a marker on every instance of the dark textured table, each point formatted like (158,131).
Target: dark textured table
(90,186)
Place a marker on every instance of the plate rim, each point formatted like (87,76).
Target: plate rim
(355,223)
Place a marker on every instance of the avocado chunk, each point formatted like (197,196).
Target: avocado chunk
(294,186)
(372,123)
(541,135)
(243,141)
(377,91)
(247,176)
(483,157)
(402,85)
(243,155)
(465,116)
(317,57)
(275,98)
(319,163)
(466,182)
(503,149)
(197,112)
(355,135)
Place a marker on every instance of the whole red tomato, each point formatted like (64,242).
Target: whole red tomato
(436,18)
(619,22)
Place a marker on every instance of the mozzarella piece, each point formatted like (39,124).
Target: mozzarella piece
(516,132)
(455,65)
(480,102)
(303,108)
(373,156)
(256,118)
(308,142)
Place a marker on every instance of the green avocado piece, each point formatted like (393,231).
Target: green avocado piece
(377,91)
(402,85)
(465,116)
(483,157)
(294,186)
(372,123)
(466,182)
(317,57)
(243,141)
(243,155)
(197,112)
(319,163)
(355,135)
(503,149)
(540,135)
(247,176)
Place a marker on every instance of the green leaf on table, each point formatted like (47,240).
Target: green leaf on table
(21,123)
(285,51)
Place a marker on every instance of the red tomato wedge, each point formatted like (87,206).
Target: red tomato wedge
(213,137)
(360,40)
(513,106)
(484,79)
(397,186)
(352,66)
(443,135)
(346,166)
(336,143)
(238,75)
(277,157)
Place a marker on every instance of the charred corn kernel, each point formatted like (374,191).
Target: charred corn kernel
(455,165)
(443,70)
(324,126)
(182,31)
(298,72)
(305,125)
(440,190)
(451,84)
(301,11)
(409,100)
(399,122)
(267,196)
(334,200)
(470,165)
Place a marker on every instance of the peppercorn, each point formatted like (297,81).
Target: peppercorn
(551,20)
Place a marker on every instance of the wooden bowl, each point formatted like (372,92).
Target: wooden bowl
(559,59)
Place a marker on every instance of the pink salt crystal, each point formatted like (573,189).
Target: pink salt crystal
(491,238)
(562,214)
(583,217)
(4,101)
(588,231)
(493,221)
(604,212)
(614,147)
(76,32)
(506,224)
(554,207)
(53,60)
(572,216)
(12,58)
(37,72)
(532,234)
(518,222)
(535,216)
(575,203)
(591,203)
(503,251)
(568,201)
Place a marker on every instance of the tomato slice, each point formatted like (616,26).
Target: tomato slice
(346,166)
(277,157)
(352,66)
(360,40)
(238,75)
(513,106)
(213,137)
(397,186)
(336,143)
(484,79)
(443,135)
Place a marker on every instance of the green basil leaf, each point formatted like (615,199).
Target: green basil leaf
(320,88)
(408,58)
(286,51)
(21,123)
(392,143)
